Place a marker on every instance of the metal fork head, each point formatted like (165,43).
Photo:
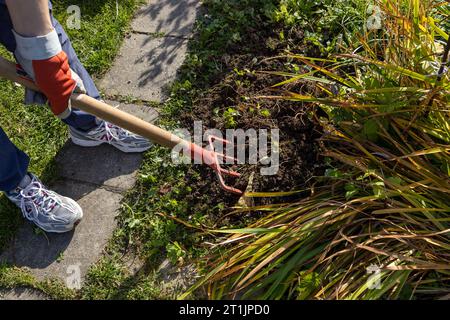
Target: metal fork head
(211,158)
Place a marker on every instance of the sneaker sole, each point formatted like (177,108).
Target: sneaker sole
(79,210)
(73,225)
(93,143)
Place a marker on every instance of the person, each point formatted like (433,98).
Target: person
(44,53)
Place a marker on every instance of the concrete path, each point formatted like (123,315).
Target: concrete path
(153,52)
(97,178)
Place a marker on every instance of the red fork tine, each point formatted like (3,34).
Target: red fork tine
(211,140)
(219,170)
(211,158)
(230,173)
(226,157)
(225,186)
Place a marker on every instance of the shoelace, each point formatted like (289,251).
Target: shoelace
(42,201)
(114,132)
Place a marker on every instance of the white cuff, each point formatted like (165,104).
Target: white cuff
(38,48)
(66,113)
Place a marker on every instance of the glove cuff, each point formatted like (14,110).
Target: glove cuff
(66,113)
(38,48)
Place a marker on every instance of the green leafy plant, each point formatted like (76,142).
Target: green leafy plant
(230,115)
(322,21)
(175,252)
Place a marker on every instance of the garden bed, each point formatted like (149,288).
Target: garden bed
(232,103)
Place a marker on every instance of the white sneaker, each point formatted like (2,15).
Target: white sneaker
(48,210)
(109,133)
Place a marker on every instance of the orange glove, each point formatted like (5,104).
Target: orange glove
(44,61)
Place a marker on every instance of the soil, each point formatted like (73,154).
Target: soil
(299,131)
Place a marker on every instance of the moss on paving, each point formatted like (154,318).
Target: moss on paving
(13,277)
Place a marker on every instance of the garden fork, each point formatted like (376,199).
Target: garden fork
(124,120)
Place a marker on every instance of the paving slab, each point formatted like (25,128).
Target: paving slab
(104,165)
(145,67)
(22,294)
(170,17)
(68,256)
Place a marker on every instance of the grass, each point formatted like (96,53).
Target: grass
(145,224)
(13,277)
(142,232)
(109,278)
(33,128)
(96,48)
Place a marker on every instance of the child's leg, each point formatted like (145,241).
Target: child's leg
(13,164)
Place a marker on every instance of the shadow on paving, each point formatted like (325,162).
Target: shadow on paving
(151,55)
(93,177)
(159,60)
(173,18)
(145,67)
(170,17)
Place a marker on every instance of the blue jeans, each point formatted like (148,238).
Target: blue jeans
(14,162)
